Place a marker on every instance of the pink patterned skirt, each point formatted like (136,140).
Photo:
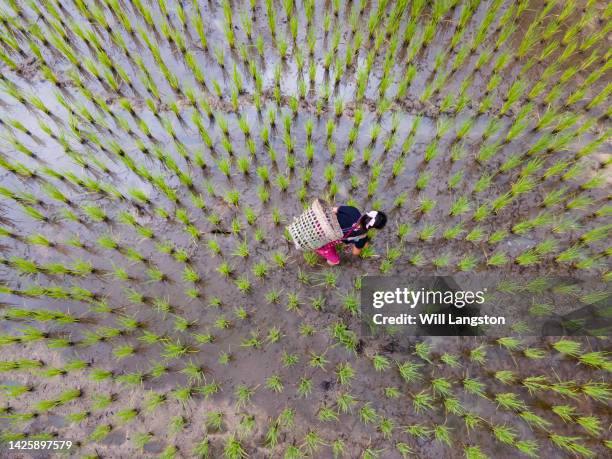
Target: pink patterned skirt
(329,252)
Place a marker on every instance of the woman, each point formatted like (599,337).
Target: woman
(355,230)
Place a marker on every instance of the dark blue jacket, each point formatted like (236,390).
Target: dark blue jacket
(347,217)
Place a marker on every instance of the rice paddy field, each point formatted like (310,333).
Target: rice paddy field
(152,153)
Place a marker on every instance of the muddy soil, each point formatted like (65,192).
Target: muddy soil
(219,298)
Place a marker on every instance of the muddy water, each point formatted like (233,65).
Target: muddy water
(252,366)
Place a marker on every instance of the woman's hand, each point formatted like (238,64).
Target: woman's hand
(335,209)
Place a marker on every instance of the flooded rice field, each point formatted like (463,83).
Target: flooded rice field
(152,153)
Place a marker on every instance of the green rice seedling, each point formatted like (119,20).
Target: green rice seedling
(209,389)
(455,179)
(330,278)
(509,343)
(497,259)
(527,447)
(169,452)
(349,157)
(441,386)
(453,406)
(233,449)
(241,250)
(222,322)
(460,206)
(570,445)
(123,351)
(595,359)
(423,180)
(497,236)
(442,434)
(254,341)
(214,420)
(344,336)
(535,420)
(127,415)
(380,362)
(175,350)
(318,360)
(282,182)
(156,275)
(479,354)
(100,432)
(403,230)
(453,232)
(236,226)
(293,302)
(409,371)
(510,401)
(591,424)
(422,401)
(392,392)
(570,255)
(550,133)
(370,453)
(304,277)
(98,374)
(280,259)
(345,373)
(345,402)
(304,387)
(542,309)
(202,449)
(318,303)
(224,358)
(140,440)
(442,261)
(243,395)
(274,384)
(312,442)
(350,303)
(263,194)
(246,425)
(272,435)
(418,259)
(474,452)
(467,263)
(565,412)
(260,269)
(596,390)
(515,92)
(504,434)
(367,414)
(428,232)
(273,296)
(289,360)
(418,431)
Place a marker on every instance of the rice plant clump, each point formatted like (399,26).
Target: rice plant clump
(152,152)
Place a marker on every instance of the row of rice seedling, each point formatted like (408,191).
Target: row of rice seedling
(182,148)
